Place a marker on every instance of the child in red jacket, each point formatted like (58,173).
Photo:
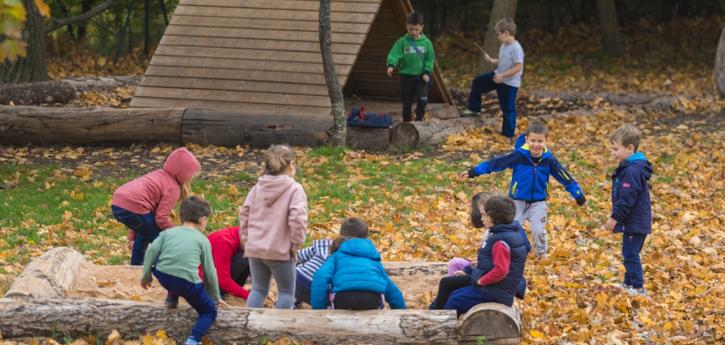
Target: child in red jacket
(231,266)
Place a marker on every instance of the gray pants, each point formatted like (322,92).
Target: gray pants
(283,273)
(535,213)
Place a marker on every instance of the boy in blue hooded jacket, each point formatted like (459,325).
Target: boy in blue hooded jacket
(532,164)
(353,277)
(631,205)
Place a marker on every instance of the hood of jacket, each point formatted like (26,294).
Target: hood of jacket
(361,247)
(181,165)
(638,160)
(270,187)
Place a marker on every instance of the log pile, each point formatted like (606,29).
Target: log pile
(34,307)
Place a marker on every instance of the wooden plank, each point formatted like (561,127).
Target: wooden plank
(242,64)
(235,85)
(300,79)
(287,35)
(234,96)
(209,11)
(260,23)
(218,42)
(267,55)
(232,106)
(356,7)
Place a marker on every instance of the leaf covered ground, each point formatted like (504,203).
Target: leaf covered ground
(418,208)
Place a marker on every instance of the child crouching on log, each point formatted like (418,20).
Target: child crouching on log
(353,277)
(173,258)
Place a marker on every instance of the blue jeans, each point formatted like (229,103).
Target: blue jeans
(506,100)
(302,288)
(631,246)
(145,227)
(466,298)
(195,295)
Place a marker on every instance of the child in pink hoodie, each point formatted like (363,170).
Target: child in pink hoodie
(144,204)
(273,222)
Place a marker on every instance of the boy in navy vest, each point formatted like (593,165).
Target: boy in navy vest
(500,263)
(631,206)
(532,165)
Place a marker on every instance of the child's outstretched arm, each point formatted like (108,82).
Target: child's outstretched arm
(320,287)
(211,283)
(493,165)
(564,177)
(152,253)
(394,56)
(392,293)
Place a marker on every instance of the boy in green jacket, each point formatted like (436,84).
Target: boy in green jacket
(174,258)
(413,55)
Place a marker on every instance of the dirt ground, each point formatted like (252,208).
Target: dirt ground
(123,282)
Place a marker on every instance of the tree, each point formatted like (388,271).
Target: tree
(339,125)
(501,9)
(720,65)
(32,67)
(611,39)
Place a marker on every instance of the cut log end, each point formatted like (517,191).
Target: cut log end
(405,136)
(496,322)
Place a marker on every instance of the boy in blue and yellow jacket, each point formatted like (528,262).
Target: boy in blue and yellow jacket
(353,276)
(532,165)
(631,205)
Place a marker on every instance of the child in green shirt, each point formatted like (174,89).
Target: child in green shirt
(413,55)
(174,258)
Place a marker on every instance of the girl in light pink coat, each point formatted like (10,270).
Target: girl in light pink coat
(273,223)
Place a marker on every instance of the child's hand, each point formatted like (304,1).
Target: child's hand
(145,283)
(426,78)
(497,79)
(293,255)
(459,273)
(610,224)
(223,304)
(390,71)
(464,175)
(130,237)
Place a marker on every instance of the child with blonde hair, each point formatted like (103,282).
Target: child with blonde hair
(272,226)
(144,204)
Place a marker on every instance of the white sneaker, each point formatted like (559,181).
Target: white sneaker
(637,292)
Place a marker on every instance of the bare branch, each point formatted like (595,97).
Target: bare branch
(59,23)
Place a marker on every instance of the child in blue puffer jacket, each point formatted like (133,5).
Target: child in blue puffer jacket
(353,277)
(532,166)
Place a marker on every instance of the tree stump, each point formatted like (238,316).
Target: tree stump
(499,324)
(720,65)
(49,276)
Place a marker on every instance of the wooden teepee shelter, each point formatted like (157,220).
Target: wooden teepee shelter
(262,57)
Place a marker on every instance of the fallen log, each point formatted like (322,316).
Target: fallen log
(259,130)
(50,275)
(409,135)
(60,91)
(502,324)
(44,317)
(368,138)
(51,125)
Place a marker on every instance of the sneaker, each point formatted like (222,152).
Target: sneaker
(172,301)
(469,113)
(191,341)
(625,287)
(637,291)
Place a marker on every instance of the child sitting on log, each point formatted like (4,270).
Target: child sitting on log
(460,269)
(501,259)
(174,257)
(353,277)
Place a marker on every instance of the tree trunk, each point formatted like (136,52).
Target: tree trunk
(208,127)
(611,39)
(720,65)
(22,124)
(410,135)
(333,85)
(32,67)
(501,9)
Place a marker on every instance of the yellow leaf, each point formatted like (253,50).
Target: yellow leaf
(536,334)
(161,334)
(67,215)
(42,8)
(147,340)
